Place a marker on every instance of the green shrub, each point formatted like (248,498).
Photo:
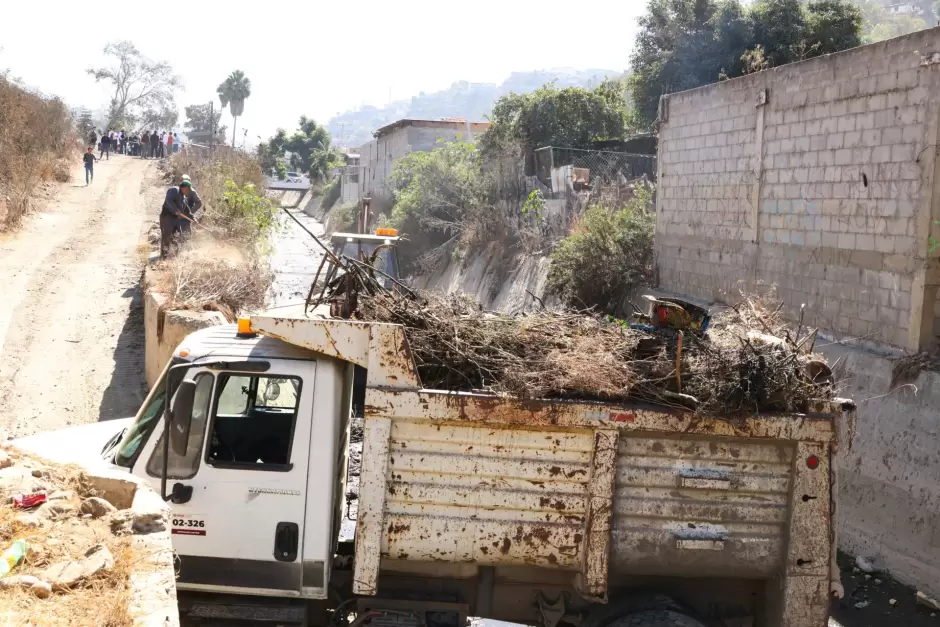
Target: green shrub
(244,215)
(330,193)
(342,219)
(607,255)
(442,198)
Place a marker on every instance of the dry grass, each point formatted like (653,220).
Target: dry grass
(101,601)
(36,145)
(208,276)
(210,172)
(577,355)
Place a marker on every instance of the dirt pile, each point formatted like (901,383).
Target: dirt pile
(746,361)
(69,546)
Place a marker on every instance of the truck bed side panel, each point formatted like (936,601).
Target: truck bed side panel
(481,495)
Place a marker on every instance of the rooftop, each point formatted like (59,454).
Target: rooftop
(441,123)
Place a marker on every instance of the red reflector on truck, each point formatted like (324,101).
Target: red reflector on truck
(812,462)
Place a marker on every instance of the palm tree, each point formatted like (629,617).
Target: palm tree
(232,92)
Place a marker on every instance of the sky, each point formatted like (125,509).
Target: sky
(315,58)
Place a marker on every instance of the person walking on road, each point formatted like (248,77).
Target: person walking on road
(105,146)
(144,144)
(173,214)
(93,139)
(154,143)
(89,159)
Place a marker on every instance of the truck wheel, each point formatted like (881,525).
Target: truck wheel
(656,618)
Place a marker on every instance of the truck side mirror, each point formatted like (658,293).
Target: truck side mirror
(182,416)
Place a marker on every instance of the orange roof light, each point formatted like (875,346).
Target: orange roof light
(244,327)
(387,232)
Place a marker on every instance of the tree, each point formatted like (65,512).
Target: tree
(572,117)
(139,84)
(778,26)
(158,118)
(232,93)
(683,44)
(442,197)
(878,24)
(204,119)
(84,123)
(832,25)
(310,150)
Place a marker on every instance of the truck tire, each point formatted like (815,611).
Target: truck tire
(656,618)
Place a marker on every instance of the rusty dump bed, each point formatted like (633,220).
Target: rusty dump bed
(596,490)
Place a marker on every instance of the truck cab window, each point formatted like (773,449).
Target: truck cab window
(253,425)
(185,466)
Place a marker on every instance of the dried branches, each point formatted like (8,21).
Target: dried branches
(740,365)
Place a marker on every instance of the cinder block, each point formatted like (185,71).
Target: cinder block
(902,152)
(881,154)
(892,135)
(835,141)
(865,242)
(846,123)
(847,241)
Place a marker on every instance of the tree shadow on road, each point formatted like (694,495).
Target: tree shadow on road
(128,387)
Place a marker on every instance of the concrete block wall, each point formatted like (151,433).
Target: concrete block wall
(817,177)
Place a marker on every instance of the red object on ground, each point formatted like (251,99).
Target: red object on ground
(24,501)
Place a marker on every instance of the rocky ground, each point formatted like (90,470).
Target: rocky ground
(80,551)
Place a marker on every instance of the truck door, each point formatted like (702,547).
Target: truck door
(241,528)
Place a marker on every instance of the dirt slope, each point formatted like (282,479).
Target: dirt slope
(71,323)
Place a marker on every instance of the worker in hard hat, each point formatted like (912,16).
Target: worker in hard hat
(172,217)
(193,204)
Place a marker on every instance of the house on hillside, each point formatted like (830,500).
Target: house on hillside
(393,141)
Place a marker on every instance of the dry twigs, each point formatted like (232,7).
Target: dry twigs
(742,364)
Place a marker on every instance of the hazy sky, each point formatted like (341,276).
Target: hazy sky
(315,58)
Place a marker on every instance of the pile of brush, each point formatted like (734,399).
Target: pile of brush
(747,361)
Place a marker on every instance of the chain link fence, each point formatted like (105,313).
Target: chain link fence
(567,172)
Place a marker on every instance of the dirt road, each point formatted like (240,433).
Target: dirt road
(71,323)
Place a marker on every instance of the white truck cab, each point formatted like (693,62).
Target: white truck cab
(261,445)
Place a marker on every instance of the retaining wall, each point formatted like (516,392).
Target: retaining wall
(165,329)
(819,177)
(889,507)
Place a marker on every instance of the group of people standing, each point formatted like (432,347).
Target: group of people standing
(158,146)
(178,216)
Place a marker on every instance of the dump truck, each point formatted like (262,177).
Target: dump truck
(543,512)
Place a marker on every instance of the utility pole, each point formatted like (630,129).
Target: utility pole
(211,125)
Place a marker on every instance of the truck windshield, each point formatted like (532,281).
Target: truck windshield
(147,418)
(385,261)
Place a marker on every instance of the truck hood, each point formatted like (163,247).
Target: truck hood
(82,445)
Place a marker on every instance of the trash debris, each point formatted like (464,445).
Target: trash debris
(877,581)
(923,599)
(864,564)
(25,501)
(12,556)
(892,601)
(862,604)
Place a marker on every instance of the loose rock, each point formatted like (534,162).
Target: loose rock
(18,581)
(126,522)
(41,589)
(892,601)
(30,521)
(63,576)
(5,460)
(57,509)
(97,507)
(864,564)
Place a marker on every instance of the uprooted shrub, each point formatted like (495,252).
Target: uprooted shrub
(211,277)
(36,142)
(607,255)
(243,215)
